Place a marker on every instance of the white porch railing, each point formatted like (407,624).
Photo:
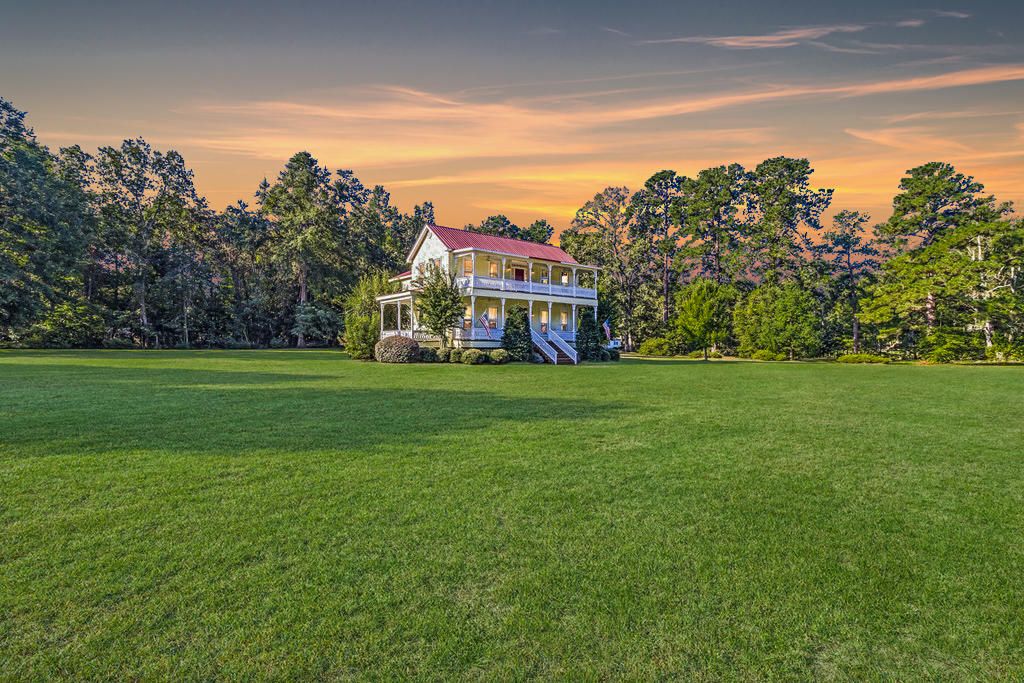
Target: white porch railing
(524,286)
(545,348)
(418,335)
(478,334)
(567,335)
(563,346)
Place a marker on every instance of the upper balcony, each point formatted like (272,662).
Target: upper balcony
(496,284)
(481,270)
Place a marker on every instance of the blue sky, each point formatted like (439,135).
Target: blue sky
(529,109)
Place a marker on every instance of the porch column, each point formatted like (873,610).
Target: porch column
(382,318)
(550,322)
(503,287)
(472,279)
(549,291)
(595,283)
(574,318)
(399,324)
(595,313)
(503,309)
(472,317)
(574,290)
(529,280)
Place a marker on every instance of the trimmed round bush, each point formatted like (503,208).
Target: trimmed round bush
(715,354)
(396,350)
(500,356)
(473,357)
(614,354)
(699,353)
(655,346)
(604,356)
(861,358)
(428,354)
(764,354)
(455,356)
(442,355)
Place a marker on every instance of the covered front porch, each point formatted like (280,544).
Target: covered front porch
(484,319)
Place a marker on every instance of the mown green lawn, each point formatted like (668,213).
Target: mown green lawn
(283,514)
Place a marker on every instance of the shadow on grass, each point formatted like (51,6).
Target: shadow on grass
(81,408)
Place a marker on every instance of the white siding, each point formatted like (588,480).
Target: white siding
(431,248)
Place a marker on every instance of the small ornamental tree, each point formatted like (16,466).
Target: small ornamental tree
(439,302)
(516,337)
(702,313)
(778,319)
(588,337)
(362,314)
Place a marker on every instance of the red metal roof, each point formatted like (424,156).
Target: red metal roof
(407,273)
(455,239)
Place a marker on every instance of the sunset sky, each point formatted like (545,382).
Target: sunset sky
(529,109)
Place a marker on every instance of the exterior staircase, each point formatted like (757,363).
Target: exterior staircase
(553,349)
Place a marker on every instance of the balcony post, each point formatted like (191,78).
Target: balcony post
(503,311)
(595,286)
(550,323)
(503,282)
(549,289)
(529,279)
(472,277)
(574,287)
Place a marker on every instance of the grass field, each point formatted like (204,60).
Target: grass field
(282,514)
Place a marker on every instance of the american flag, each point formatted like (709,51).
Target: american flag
(486,322)
(606,325)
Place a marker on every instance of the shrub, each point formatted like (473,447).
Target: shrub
(362,332)
(515,339)
(443,355)
(588,337)
(428,354)
(118,343)
(396,349)
(473,357)
(536,358)
(499,356)
(604,356)
(699,353)
(655,346)
(614,354)
(861,358)
(455,355)
(73,325)
(714,354)
(765,354)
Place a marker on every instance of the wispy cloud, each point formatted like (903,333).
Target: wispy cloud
(542,31)
(951,14)
(617,32)
(914,139)
(782,38)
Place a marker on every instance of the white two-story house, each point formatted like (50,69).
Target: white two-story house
(494,274)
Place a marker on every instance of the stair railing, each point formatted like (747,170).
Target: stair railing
(545,348)
(564,347)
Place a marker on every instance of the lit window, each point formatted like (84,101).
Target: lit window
(467,266)
(493,269)
(565,321)
(565,278)
(492,317)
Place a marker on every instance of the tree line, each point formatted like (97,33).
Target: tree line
(741,260)
(117,248)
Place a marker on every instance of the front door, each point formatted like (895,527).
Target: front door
(519,274)
(543,321)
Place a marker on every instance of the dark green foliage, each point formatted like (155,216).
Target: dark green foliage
(780,320)
(443,355)
(439,302)
(588,336)
(604,356)
(362,314)
(455,355)
(515,338)
(428,354)
(397,349)
(473,357)
(69,324)
(500,226)
(855,358)
(703,314)
(499,356)
(316,323)
(655,346)
(765,354)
